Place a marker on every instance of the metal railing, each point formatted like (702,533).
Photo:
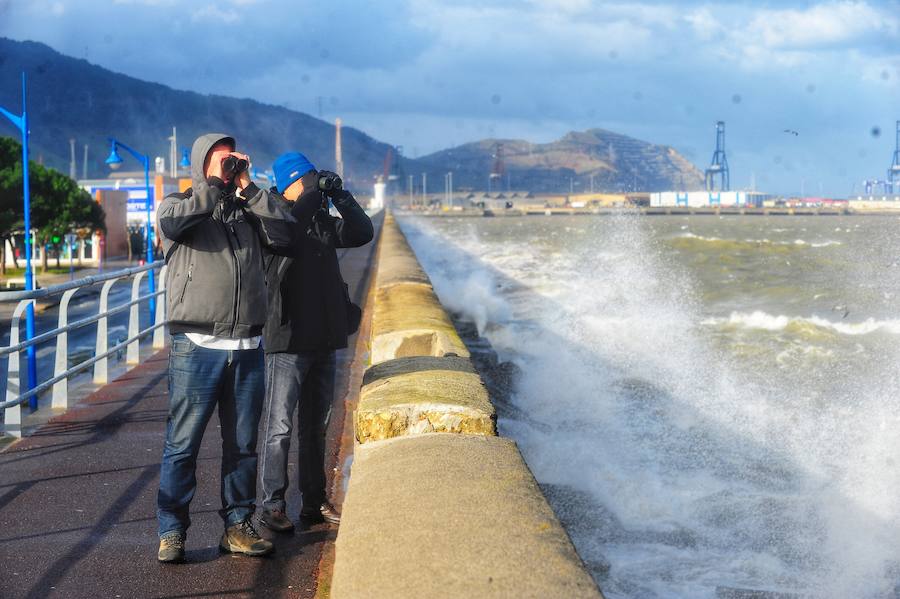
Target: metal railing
(100,360)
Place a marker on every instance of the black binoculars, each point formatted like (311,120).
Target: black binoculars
(234,166)
(329,182)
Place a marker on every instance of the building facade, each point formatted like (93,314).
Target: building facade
(707,199)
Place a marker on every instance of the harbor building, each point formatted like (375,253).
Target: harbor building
(706,199)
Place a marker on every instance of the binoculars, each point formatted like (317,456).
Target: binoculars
(234,166)
(329,182)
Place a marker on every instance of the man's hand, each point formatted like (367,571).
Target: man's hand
(212,166)
(215,170)
(243,179)
(333,177)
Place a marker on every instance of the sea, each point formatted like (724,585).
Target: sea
(710,403)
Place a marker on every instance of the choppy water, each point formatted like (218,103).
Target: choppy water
(711,403)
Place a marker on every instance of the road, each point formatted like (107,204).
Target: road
(82,341)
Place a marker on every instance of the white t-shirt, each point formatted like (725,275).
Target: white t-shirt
(213,342)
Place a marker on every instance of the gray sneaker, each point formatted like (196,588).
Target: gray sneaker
(171,548)
(276,520)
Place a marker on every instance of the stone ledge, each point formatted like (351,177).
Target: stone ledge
(414,364)
(425,401)
(397,262)
(408,320)
(400,269)
(448,516)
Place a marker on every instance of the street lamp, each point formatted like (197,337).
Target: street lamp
(22,123)
(115,161)
(572,184)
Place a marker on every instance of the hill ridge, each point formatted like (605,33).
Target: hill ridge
(98,103)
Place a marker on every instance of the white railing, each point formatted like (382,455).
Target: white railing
(59,382)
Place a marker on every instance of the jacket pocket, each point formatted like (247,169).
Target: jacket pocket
(187,279)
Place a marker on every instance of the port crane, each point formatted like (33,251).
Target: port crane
(892,184)
(719,166)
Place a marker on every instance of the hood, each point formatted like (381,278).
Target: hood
(202,146)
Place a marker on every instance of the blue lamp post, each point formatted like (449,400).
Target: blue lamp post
(21,122)
(115,161)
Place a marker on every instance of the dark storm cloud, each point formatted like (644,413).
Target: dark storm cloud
(426,73)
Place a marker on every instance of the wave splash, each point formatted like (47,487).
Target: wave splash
(675,469)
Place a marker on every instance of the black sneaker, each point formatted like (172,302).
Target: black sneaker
(276,520)
(325,513)
(171,548)
(243,538)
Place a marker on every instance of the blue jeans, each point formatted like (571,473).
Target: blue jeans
(200,380)
(307,379)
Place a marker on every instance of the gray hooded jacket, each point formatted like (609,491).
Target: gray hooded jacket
(213,242)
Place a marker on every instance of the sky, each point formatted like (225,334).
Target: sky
(431,74)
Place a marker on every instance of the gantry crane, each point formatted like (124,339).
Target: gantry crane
(719,165)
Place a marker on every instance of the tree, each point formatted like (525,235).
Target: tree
(58,205)
(11,209)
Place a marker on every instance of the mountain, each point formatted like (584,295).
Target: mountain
(71,98)
(617,163)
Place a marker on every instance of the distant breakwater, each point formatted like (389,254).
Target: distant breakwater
(661,211)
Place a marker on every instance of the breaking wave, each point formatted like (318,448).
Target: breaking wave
(688,239)
(682,469)
(763,321)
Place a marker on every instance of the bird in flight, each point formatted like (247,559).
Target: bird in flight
(792,132)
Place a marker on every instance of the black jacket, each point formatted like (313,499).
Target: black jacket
(307,297)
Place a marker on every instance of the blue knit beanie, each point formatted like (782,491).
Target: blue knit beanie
(289,167)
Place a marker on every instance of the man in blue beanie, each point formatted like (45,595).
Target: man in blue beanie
(310,317)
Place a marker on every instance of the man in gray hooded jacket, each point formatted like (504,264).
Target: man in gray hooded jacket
(213,236)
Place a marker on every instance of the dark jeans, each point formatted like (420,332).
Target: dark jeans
(307,379)
(199,380)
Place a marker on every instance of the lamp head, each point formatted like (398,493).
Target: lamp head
(114,160)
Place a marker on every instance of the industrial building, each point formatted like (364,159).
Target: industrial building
(706,199)
(500,200)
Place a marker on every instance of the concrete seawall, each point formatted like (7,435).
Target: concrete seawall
(437,504)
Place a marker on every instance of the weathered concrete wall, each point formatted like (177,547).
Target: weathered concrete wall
(408,319)
(453,516)
(437,505)
(433,400)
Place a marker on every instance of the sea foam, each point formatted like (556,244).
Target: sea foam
(676,468)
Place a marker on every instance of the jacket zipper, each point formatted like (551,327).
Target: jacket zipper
(237,280)
(236,238)
(237,304)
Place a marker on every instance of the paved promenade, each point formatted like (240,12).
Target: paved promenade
(77,498)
